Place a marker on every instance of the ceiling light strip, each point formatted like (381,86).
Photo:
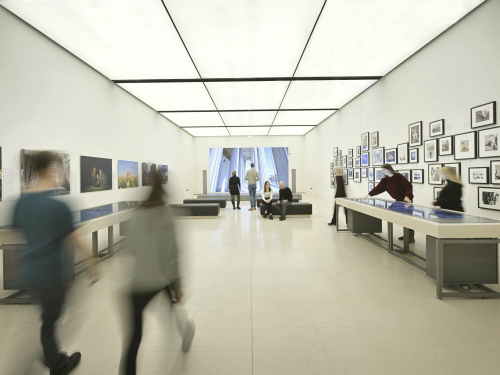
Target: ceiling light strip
(247,79)
(251,110)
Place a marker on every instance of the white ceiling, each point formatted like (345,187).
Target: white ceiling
(238,57)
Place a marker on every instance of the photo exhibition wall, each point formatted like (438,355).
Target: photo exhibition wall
(270,162)
(29,177)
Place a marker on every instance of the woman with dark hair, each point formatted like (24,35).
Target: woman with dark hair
(154,246)
(234,189)
(339,193)
(267,197)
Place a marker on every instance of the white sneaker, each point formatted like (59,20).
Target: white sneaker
(187,340)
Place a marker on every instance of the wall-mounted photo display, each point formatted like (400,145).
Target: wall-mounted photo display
(403,153)
(479,175)
(363,172)
(488,142)
(436,128)
(378,174)
(148,171)
(413,155)
(349,153)
(364,142)
(357,162)
(446,146)
(350,173)
(331,166)
(415,134)
(378,156)
(495,171)
(349,163)
(335,152)
(488,197)
(417,176)
(365,159)
(358,150)
(437,191)
(357,175)
(371,185)
(95,174)
(62,171)
(465,146)
(163,169)
(375,142)
(483,115)
(371,174)
(456,167)
(344,161)
(435,174)
(344,176)
(406,173)
(391,155)
(431,150)
(128,174)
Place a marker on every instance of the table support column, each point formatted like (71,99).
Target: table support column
(95,245)
(110,240)
(390,237)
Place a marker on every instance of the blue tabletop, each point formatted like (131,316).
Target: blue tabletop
(107,209)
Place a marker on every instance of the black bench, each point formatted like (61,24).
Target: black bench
(200,209)
(259,201)
(300,208)
(221,201)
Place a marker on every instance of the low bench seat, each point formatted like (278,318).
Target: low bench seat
(300,208)
(221,201)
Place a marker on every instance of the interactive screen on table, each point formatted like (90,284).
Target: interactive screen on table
(432,214)
(107,209)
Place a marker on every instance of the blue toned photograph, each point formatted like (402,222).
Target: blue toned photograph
(365,159)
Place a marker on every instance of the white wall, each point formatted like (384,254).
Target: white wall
(51,100)
(295,146)
(457,71)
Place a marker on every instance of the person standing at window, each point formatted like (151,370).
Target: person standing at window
(234,189)
(451,195)
(267,197)
(252,177)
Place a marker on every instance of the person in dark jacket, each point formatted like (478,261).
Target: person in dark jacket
(284,200)
(398,187)
(451,195)
(339,193)
(234,189)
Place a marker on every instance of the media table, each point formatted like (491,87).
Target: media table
(461,249)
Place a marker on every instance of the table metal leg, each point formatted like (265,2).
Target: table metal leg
(406,238)
(390,238)
(110,240)
(439,269)
(95,245)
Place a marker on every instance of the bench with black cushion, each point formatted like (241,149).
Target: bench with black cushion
(199,209)
(300,208)
(259,201)
(221,201)
(244,196)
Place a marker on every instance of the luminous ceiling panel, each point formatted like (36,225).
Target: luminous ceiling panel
(289,130)
(371,37)
(323,94)
(248,118)
(247,95)
(262,130)
(123,39)
(207,132)
(301,117)
(172,96)
(195,119)
(245,38)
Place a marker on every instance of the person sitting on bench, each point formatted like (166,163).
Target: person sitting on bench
(267,197)
(284,200)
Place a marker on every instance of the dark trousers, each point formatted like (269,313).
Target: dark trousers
(334,218)
(281,207)
(51,300)
(232,200)
(267,207)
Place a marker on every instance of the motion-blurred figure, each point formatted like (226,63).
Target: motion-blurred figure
(234,189)
(450,198)
(153,243)
(47,225)
(339,193)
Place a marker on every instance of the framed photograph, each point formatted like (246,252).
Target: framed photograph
(128,174)
(344,176)
(431,150)
(436,128)
(331,166)
(148,173)
(446,146)
(465,146)
(488,142)
(350,153)
(495,171)
(357,174)
(357,162)
(417,176)
(349,163)
(344,161)
(437,191)
(332,181)
(483,115)
(375,139)
(350,173)
(358,150)
(378,174)
(488,197)
(371,174)
(337,162)
(413,155)
(456,167)
(403,153)
(332,173)
(365,159)
(335,151)
(378,156)
(391,155)
(406,173)
(435,174)
(415,134)
(479,175)
(371,185)
(95,174)
(363,172)
(61,171)
(364,142)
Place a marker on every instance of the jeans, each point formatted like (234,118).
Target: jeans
(281,207)
(252,190)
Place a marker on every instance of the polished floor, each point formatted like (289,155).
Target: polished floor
(272,297)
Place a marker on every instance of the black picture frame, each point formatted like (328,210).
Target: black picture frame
(406,173)
(358,150)
(483,115)
(375,140)
(446,146)
(357,174)
(417,176)
(345,176)
(378,156)
(431,150)
(365,159)
(335,152)
(344,161)
(413,155)
(357,162)
(436,192)
(495,172)
(378,174)
(434,174)
(350,163)
(457,166)
(415,134)
(465,145)
(488,198)
(365,141)
(436,128)
(477,179)
(391,156)
(371,174)
(350,153)
(350,173)
(403,157)
(488,142)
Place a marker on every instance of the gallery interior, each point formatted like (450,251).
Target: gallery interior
(194,90)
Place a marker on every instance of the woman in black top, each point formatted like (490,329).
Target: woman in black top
(234,189)
(339,193)
(451,195)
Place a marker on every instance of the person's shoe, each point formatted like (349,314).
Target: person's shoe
(68,368)
(411,240)
(265,215)
(250,209)
(401,238)
(270,217)
(187,340)
(331,223)
(234,208)
(282,219)
(239,208)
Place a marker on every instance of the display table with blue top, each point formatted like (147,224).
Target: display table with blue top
(461,249)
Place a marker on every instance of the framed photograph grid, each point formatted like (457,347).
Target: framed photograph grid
(371,174)
(365,159)
(357,174)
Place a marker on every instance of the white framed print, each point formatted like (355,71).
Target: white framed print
(344,161)
(436,128)
(415,134)
(357,162)
(358,150)
(446,146)
(406,173)
(371,174)
(403,153)
(413,155)
(350,173)
(371,185)
(434,174)
(488,197)
(417,176)
(479,175)
(375,142)
(349,153)
(488,142)
(431,150)
(465,146)
(495,171)
(483,115)
(344,176)
(349,163)
(357,175)
(378,156)
(364,142)
(363,172)
(437,191)
(378,174)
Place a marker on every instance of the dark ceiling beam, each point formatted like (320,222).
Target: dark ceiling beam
(251,110)
(248,79)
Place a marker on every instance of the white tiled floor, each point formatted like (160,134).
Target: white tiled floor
(272,297)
